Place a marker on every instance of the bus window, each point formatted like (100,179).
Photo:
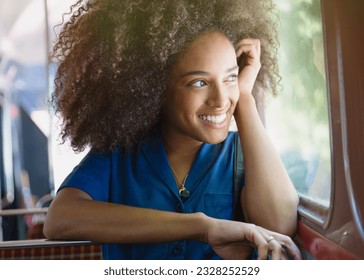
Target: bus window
(297,119)
(32,161)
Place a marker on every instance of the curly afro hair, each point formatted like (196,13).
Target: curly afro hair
(113,58)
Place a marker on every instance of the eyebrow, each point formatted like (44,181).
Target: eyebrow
(204,73)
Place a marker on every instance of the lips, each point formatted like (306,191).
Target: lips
(216,119)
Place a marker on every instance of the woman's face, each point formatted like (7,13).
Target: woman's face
(202,90)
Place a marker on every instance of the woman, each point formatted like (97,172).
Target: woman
(151,87)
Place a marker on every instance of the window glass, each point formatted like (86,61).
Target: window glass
(31,159)
(25,121)
(297,119)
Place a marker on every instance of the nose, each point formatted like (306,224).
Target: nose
(218,96)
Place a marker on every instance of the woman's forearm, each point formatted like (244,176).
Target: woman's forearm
(73,215)
(269,197)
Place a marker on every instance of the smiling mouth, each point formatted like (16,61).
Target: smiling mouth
(213,119)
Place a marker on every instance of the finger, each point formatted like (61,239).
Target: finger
(284,255)
(276,249)
(292,249)
(285,241)
(249,52)
(248,44)
(289,247)
(274,246)
(249,41)
(248,49)
(254,235)
(261,244)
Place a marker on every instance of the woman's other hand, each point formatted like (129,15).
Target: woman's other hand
(235,240)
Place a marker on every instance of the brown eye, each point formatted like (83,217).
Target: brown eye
(232,78)
(198,83)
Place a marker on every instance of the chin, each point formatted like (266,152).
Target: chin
(215,139)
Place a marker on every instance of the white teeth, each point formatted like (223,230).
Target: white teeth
(213,119)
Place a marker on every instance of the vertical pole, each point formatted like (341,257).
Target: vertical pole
(47,70)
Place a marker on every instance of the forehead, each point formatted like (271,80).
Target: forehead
(210,50)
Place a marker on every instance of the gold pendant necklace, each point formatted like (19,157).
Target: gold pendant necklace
(182,191)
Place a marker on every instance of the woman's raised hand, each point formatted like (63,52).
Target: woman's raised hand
(248,55)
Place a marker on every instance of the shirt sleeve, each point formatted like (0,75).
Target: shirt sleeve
(91,175)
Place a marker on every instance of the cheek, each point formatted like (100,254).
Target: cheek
(234,96)
(182,103)
(189,100)
(194,101)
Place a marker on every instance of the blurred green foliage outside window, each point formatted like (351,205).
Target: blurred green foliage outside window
(297,119)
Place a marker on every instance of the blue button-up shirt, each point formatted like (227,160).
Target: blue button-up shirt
(143,178)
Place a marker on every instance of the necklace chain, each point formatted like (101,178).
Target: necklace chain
(182,191)
(175,177)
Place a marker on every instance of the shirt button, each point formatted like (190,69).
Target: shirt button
(177,250)
(179,208)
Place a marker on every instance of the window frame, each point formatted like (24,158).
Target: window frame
(343,45)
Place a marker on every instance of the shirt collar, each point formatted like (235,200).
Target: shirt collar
(155,153)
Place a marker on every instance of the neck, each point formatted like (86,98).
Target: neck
(181,152)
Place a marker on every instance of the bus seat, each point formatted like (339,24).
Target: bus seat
(42,249)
